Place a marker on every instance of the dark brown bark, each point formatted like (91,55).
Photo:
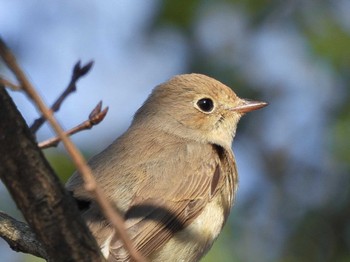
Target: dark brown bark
(47,207)
(20,236)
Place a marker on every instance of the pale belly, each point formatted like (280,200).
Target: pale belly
(194,241)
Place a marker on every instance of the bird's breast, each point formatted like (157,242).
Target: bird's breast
(191,243)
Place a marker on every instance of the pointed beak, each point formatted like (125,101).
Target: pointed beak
(248,106)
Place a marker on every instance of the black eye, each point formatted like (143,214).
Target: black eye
(205,104)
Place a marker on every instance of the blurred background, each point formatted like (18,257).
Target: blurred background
(293,157)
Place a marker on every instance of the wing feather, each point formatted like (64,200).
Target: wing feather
(172,203)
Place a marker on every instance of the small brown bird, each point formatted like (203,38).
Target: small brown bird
(172,174)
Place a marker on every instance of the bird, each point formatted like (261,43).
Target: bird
(172,175)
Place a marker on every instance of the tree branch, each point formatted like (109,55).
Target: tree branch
(84,170)
(20,237)
(95,117)
(48,208)
(78,72)
(8,83)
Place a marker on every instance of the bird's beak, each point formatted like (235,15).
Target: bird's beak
(248,105)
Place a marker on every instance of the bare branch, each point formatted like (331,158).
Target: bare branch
(20,237)
(82,167)
(95,117)
(78,72)
(8,83)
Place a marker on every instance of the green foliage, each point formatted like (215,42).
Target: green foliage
(329,40)
(61,163)
(178,13)
(30,258)
(321,236)
(221,250)
(341,143)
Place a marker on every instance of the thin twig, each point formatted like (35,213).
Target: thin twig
(20,237)
(82,167)
(78,72)
(8,83)
(95,117)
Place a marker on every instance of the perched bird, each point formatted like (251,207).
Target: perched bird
(172,174)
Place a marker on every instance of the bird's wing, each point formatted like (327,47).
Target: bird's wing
(175,191)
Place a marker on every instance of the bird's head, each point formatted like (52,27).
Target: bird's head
(196,107)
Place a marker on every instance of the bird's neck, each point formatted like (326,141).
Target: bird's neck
(154,129)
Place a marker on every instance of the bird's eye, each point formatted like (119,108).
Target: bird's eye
(205,104)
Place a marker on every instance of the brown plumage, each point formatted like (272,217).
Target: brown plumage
(172,174)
